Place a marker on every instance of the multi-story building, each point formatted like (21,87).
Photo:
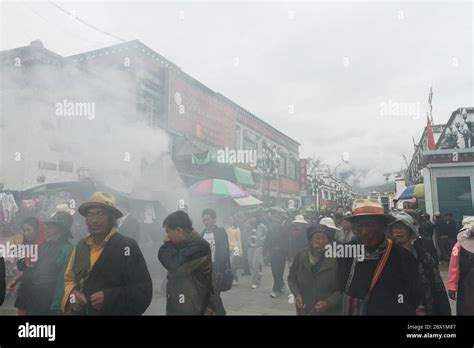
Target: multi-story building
(202,124)
(385,198)
(330,193)
(448,171)
(132,79)
(66,121)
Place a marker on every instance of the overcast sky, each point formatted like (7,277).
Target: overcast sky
(335,65)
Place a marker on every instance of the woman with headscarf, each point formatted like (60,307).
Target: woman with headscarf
(461,270)
(34,236)
(435,301)
(313,277)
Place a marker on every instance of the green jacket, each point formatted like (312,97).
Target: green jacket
(43,282)
(61,262)
(315,285)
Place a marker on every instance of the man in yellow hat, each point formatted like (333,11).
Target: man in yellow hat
(107,273)
(385,280)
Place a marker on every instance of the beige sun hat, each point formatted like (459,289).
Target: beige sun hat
(368,207)
(101,200)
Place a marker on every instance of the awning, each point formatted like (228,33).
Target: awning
(247,201)
(244,176)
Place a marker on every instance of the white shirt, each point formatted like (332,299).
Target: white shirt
(209,237)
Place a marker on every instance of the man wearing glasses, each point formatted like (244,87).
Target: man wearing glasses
(107,273)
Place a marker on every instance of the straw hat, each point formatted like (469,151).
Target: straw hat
(368,207)
(101,200)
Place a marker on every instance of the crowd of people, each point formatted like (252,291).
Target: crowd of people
(389,263)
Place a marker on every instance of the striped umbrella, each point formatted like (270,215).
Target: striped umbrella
(217,187)
(413,191)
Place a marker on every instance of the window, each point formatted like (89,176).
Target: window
(248,144)
(292,170)
(66,166)
(282,165)
(237,138)
(47,165)
(455,196)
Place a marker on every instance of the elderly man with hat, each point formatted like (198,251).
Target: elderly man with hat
(461,270)
(107,273)
(386,281)
(404,232)
(313,277)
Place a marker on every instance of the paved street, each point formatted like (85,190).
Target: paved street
(243,300)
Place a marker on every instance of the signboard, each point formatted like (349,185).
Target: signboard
(303,174)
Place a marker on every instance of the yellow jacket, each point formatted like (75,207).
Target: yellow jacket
(235,243)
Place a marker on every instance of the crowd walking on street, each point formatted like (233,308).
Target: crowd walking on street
(365,261)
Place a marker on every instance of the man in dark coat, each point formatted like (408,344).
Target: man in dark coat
(426,237)
(277,244)
(398,289)
(426,226)
(452,229)
(107,273)
(219,243)
(447,231)
(187,257)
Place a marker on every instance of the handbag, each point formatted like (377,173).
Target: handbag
(226,278)
(359,306)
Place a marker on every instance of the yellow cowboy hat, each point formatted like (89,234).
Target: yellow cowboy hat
(101,200)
